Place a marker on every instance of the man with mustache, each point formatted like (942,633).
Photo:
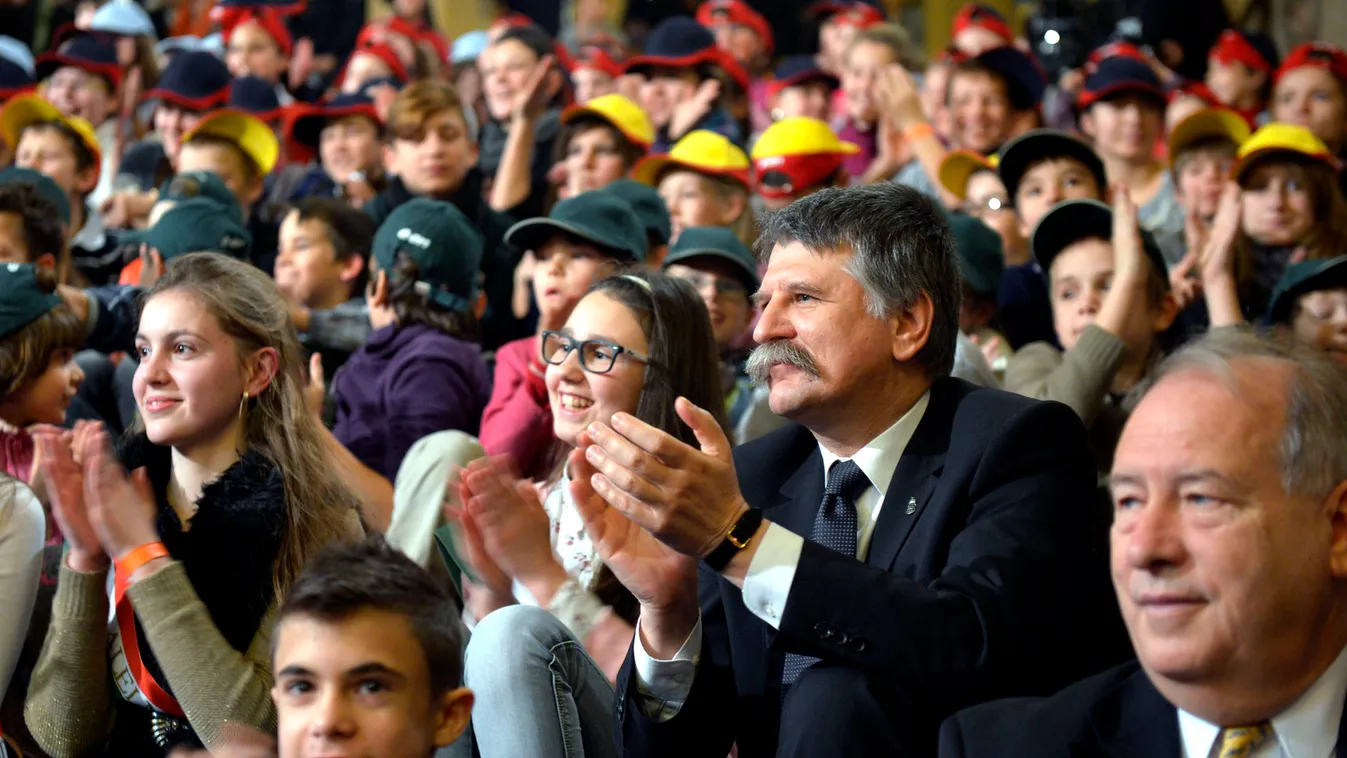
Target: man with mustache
(1230,564)
(913,546)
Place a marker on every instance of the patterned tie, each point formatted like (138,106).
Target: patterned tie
(835,529)
(1241,741)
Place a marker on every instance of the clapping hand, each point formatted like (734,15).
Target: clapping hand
(687,113)
(1130,264)
(513,526)
(120,507)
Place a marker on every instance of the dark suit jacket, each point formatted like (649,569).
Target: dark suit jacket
(995,585)
(1118,714)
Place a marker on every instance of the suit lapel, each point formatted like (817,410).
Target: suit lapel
(1137,721)
(914,479)
(799,498)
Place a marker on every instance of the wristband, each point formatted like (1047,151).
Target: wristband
(128,564)
(918,131)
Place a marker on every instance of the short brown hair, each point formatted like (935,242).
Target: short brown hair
(413,307)
(419,102)
(84,157)
(1214,146)
(896,39)
(25,354)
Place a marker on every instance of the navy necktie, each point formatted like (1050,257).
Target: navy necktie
(835,529)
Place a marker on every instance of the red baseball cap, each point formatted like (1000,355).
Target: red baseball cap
(269,19)
(1113,50)
(979,15)
(859,15)
(713,13)
(1234,47)
(1317,55)
(592,56)
(1198,90)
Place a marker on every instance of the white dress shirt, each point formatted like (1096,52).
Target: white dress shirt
(1307,729)
(666,684)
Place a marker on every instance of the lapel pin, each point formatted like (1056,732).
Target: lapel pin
(911,505)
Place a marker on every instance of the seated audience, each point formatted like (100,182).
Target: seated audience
(224,445)
(795,157)
(82,78)
(600,142)
(421,370)
(193,84)
(1310,90)
(1239,72)
(681,84)
(1311,302)
(704,182)
(1110,305)
(632,346)
(650,209)
(1201,152)
(346,134)
(800,87)
(1228,491)
(865,376)
(594,73)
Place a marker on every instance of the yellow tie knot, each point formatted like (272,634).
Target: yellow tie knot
(1241,741)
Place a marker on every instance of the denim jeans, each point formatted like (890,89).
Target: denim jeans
(538,692)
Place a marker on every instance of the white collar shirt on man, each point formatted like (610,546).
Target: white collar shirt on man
(1307,729)
(878,460)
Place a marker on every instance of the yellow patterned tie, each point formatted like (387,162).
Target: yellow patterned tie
(1241,741)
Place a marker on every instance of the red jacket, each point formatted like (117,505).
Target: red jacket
(518,418)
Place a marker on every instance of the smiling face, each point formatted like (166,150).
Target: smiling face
(190,381)
(308,272)
(1277,207)
(347,145)
(1321,321)
(593,160)
(358,686)
(565,270)
(1224,580)
(860,71)
(979,110)
(76,92)
(505,68)
(580,398)
(45,399)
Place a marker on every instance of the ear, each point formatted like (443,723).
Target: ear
(554,81)
(1087,123)
(1335,507)
(265,363)
(452,713)
(47,261)
(350,270)
(912,328)
(734,208)
(479,305)
(1164,313)
(379,299)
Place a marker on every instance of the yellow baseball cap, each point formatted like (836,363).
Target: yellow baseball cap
(1276,138)
(250,133)
(624,115)
(27,110)
(800,135)
(702,151)
(959,166)
(1206,123)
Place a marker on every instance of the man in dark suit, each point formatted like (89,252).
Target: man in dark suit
(1229,554)
(914,546)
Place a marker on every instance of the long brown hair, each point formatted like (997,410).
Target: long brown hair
(277,424)
(1327,237)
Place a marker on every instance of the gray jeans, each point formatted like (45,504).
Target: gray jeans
(538,693)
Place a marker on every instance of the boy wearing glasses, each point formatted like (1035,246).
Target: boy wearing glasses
(582,240)
(724,272)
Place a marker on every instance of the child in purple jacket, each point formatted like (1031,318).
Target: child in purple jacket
(421,371)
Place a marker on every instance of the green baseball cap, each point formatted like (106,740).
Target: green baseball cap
(192,226)
(649,207)
(21,300)
(1075,220)
(207,184)
(598,217)
(715,242)
(44,186)
(981,255)
(446,246)
(1301,279)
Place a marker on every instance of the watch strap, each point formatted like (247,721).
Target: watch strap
(740,535)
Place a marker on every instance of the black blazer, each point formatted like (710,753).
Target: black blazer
(995,585)
(1118,714)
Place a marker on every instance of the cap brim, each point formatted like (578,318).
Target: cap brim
(814,75)
(750,274)
(652,168)
(958,167)
(532,233)
(20,113)
(576,112)
(639,64)
(250,133)
(307,127)
(1090,97)
(1026,80)
(1246,164)
(1207,124)
(1027,149)
(199,104)
(1332,274)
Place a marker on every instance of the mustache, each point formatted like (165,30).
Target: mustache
(763,357)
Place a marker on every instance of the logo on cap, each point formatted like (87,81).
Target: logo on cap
(412,238)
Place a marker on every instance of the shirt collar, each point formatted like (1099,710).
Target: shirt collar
(1308,728)
(880,456)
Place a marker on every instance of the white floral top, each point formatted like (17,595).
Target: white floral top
(574,602)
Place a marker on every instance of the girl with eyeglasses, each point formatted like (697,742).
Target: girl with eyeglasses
(548,610)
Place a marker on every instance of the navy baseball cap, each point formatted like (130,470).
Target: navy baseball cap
(1019,154)
(1118,75)
(94,53)
(307,128)
(256,96)
(195,80)
(1025,82)
(799,69)
(13,80)
(1075,220)
(676,42)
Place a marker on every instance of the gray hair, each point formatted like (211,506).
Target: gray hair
(1313,448)
(901,247)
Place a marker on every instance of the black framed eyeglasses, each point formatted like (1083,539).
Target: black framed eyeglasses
(596,356)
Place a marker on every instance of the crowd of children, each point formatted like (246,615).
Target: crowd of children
(256,302)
